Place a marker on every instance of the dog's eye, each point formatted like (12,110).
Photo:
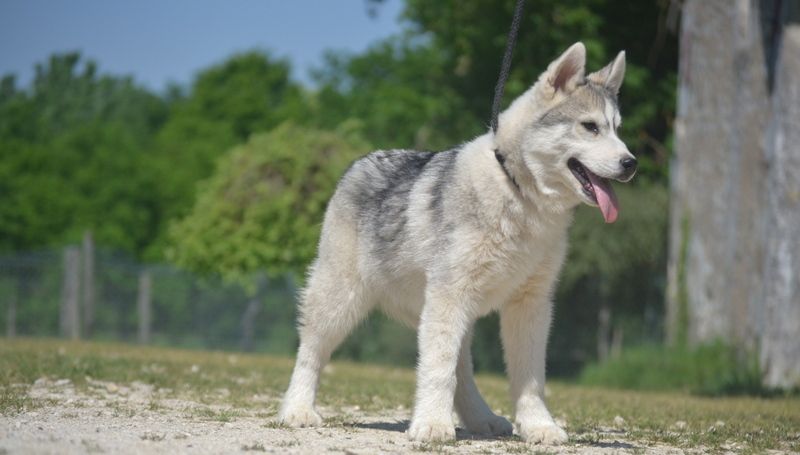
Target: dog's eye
(591,127)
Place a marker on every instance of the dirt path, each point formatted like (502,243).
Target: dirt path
(135,419)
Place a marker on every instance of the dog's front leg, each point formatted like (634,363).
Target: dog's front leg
(443,324)
(470,405)
(524,326)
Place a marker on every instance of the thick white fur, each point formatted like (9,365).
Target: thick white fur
(514,262)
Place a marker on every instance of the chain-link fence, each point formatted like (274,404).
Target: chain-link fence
(80,292)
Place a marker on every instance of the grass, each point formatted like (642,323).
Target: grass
(752,424)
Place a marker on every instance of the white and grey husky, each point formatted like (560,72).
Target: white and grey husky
(437,240)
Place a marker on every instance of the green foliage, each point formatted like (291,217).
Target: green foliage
(250,92)
(400,89)
(247,93)
(471,37)
(712,369)
(73,155)
(79,150)
(606,252)
(262,208)
(380,340)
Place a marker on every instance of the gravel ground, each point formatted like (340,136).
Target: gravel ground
(136,419)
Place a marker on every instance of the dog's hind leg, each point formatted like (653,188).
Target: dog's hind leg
(332,306)
(475,414)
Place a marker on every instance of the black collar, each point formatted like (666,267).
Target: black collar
(502,160)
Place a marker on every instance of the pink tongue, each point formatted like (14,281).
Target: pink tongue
(606,198)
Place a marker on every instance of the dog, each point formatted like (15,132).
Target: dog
(438,240)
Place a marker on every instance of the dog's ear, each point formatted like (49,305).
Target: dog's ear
(612,75)
(567,71)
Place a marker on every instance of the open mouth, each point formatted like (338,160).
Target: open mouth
(582,175)
(596,189)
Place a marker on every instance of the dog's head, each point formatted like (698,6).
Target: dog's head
(560,137)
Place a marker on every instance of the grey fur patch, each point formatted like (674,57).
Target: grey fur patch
(379,186)
(443,168)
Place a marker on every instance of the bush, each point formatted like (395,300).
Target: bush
(262,208)
(711,369)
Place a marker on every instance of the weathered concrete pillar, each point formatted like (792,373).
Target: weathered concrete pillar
(735,224)
(717,167)
(778,308)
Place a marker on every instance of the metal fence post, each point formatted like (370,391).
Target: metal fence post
(87,248)
(144,303)
(70,313)
(11,315)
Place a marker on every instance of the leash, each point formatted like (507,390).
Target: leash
(506,66)
(501,84)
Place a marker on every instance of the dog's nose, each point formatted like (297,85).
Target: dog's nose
(629,164)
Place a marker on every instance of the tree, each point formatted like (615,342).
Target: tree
(73,154)
(227,103)
(399,90)
(262,208)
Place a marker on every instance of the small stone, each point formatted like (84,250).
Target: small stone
(112,388)
(680,425)
(619,421)
(195,369)
(62,382)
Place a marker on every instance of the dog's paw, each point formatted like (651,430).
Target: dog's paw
(300,417)
(490,424)
(432,430)
(546,434)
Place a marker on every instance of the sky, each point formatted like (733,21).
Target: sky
(168,41)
